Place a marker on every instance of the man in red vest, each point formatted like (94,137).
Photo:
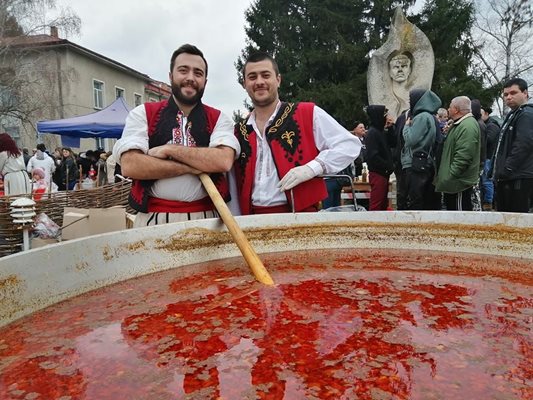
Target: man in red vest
(166,145)
(285,146)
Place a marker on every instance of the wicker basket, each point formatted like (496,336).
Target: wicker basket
(53,204)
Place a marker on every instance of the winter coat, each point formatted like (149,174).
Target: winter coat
(421,134)
(459,166)
(492,129)
(483,142)
(378,149)
(399,142)
(44,161)
(515,153)
(68,165)
(476,112)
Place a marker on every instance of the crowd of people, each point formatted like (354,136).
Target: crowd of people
(276,157)
(47,172)
(459,158)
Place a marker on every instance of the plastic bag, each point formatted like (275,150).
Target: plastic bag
(45,228)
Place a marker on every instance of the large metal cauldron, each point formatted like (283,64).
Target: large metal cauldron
(38,278)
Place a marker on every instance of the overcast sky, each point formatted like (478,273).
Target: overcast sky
(143,35)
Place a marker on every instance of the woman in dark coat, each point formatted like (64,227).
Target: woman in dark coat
(69,169)
(379,140)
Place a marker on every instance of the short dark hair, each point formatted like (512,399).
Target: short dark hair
(41,147)
(522,84)
(260,56)
(189,49)
(487,109)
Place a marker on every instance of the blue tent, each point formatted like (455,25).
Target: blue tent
(106,123)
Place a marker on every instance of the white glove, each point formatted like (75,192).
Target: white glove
(296,176)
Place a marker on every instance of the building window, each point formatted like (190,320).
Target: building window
(98,92)
(138,99)
(119,92)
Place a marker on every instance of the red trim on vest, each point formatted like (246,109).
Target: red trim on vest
(212,117)
(153,113)
(245,178)
(307,194)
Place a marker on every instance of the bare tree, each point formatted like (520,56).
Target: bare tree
(505,49)
(29,17)
(25,73)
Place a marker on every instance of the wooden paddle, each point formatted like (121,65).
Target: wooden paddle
(249,254)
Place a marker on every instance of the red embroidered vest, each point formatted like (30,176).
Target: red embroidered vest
(161,120)
(292,143)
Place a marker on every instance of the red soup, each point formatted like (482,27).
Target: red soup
(338,324)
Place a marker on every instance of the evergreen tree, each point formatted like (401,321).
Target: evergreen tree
(323,46)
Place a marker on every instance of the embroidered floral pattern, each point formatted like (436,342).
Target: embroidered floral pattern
(190,138)
(178,135)
(177,132)
(246,148)
(287,136)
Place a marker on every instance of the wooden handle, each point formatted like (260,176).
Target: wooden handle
(249,254)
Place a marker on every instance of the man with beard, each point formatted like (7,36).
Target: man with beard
(166,145)
(285,146)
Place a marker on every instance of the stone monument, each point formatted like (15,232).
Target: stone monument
(404,62)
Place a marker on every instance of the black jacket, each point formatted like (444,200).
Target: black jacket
(378,142)
(514,159)
(476,112)
(493,132)
(399,143)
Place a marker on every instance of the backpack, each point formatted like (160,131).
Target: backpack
(422,161)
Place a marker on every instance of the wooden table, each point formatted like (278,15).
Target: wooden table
(362,191)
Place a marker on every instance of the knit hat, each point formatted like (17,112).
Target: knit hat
(39,172)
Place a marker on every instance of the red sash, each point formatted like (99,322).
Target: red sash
(156,204)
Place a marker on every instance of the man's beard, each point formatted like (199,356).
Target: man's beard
(190,101)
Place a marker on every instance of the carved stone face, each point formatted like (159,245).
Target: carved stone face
(399,68)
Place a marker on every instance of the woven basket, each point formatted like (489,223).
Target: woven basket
(53,204)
